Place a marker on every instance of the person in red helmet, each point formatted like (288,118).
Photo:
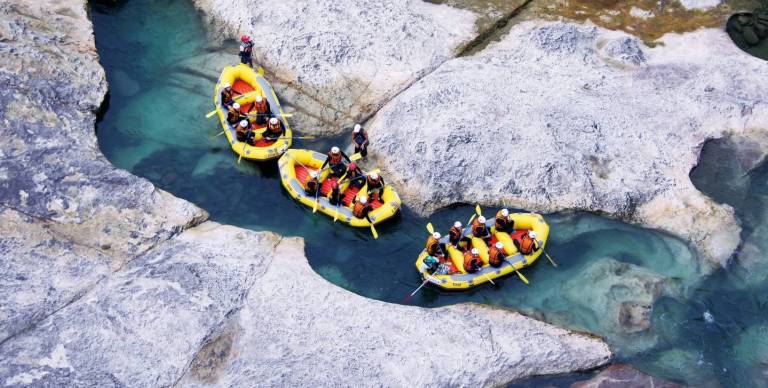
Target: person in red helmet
(246,50)
(355,175)
(335,196)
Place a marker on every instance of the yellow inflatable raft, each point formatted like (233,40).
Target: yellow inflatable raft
(295,166)
(247,82)
(515,260)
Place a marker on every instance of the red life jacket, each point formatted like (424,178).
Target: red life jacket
(260,107)
(274,129)
(374,184)
(334,159)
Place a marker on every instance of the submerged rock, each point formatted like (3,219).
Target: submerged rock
(624,295)
(564,116)
(624,376)
(107,281)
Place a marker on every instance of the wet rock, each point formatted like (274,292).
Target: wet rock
(700,4)
(543,121)
(624,295)
(621,376)
(341,60)
(751,350)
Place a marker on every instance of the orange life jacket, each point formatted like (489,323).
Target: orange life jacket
(471,262)
(312,183)
(433,246)
(233,116)
(274,129)
(226,96)
(527,244)
(501,221)
(479,229)
(260,107)
(495,256)
(334,159)
(359,209)
(455,233)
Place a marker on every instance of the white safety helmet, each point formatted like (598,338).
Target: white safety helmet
(532,234)
(313,174)
(335,150)
(226,85)
(244,123)
(357,129)
(499,245)
(436,235)
(475,251)
(236,106)
(363,200)
(481,219)
(374,176)
(505,212)
(457,224)
(273,120)
(259,99)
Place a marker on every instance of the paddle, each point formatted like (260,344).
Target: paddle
(355,157)
(319,185)
(236,99)
(373,229)
(407,298)
(245,142)
(520,275)
(478,211)
(550,259)
(270,114)
(336,216)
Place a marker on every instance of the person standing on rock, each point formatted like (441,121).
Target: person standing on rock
(335,162)
(246,50)
(360,140)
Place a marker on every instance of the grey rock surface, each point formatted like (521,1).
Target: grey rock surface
(340,61)
(565,116)
(107,281)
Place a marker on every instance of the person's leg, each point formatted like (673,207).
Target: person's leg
(363,151)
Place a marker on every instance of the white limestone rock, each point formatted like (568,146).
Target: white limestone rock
(563,116)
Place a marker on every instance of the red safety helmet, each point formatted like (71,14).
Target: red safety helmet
(352,166)
(245,38)
(334,184)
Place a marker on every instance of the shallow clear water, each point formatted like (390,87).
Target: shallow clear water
(162,66)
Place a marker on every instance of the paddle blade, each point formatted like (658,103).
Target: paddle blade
(238,158)
(336,216)
(522,277)
(314,207)
(210,114)
(550,260)
(373,231)
(260,71)
(355,157)
(471,219)
(478,210)
(430,228)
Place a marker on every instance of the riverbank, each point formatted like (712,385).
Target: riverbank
(115,281)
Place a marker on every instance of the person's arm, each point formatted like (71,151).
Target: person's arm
(343,155)
(365,135)
(325,163)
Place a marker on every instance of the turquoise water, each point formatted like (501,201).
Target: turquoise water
(162,65)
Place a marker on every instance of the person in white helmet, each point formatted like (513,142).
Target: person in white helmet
(434,247)
(480,229)
(362,208)
(260,109)
(312,184)
(243,131)
(228,94)
(360,140)
(472,261)
(456,234)
(335,161)
(527,243)
(503,221)
(375,186)
(496,255)
(274,130)
(233,114)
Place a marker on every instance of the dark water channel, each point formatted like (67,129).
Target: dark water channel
(708,329)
